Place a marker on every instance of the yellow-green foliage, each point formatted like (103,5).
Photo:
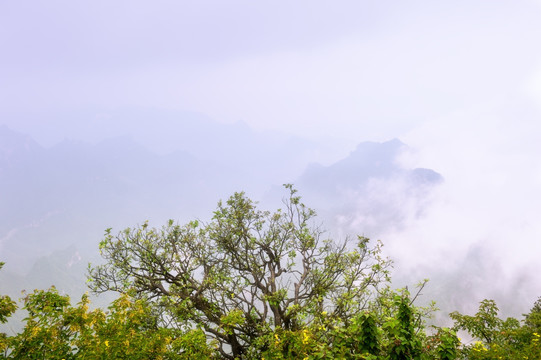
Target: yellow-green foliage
(495,338)
(128,330)
(252,284)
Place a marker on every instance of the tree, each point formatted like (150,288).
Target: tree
(7,308)
(404,344)
(56,330)
(533,318)
(244,275)
(498,338)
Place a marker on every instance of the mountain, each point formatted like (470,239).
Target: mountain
(51,198)
(15,148)
(368,190)
(370,160)
(262,155)
(57,201)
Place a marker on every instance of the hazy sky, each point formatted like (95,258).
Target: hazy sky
(459,81)
(354,69)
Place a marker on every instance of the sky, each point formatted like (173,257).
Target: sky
(349,69)
(457,81)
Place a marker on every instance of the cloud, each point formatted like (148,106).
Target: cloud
(485,213)
(356,71)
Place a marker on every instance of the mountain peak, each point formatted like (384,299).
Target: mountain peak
(14,145)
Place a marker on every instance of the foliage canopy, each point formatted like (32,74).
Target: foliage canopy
(245,273)
(252,284)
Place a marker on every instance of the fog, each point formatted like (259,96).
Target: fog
(416,123)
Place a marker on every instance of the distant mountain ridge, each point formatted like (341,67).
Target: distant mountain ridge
(56,202)
(15,147)
(163,132)
(368,190)
(368,160)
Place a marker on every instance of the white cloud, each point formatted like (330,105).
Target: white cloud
(487,210)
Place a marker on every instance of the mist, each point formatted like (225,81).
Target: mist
(415,123)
